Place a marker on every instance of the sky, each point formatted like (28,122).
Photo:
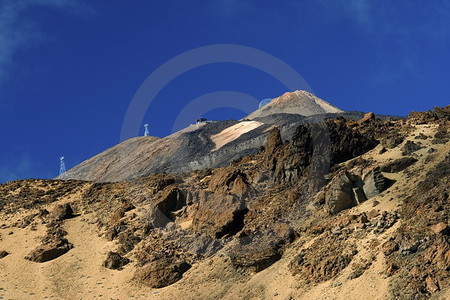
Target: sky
(75,73)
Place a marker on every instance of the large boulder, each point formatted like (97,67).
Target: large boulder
(255,256)
(47,252)
(62,212)
(161,272)
(367,118)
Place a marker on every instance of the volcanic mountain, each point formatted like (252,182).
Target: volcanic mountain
(339,209)
(206,145)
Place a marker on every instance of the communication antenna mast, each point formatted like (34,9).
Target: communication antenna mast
(146,132)
(62,167)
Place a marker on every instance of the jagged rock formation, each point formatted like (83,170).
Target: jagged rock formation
(322,213)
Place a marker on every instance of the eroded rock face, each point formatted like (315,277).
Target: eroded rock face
(340,194)
(170,201)
(220,215)
(161,273)
(221,210)
(230,181)
(374,182)
(273,141)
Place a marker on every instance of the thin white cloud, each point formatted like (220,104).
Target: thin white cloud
(21,165)
(16,31)
(400,18)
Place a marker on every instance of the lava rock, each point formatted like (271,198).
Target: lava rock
(50,251)
(62,212)
(115,261)
(162,272)
(3,253)
(410,147)
(398,165)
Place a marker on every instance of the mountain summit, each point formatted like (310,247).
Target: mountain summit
(298,102)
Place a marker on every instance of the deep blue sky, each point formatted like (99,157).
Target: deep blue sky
(69,69)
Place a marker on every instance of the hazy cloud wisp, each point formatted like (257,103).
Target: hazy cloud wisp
(16,32)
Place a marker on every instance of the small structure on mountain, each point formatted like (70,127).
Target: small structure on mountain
(146,132)
(201,120)
(62,167)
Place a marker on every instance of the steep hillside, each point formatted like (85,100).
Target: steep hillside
(344,209)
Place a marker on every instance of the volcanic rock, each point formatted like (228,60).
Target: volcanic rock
(62,212)
(3,254)
(398,165)
(115,261)
(410,147)
(50,251)
(367,118)
(161,273)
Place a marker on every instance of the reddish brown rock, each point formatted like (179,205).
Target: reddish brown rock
(161,273)
(440,228)
(273,141)
(367,118)
(432,286)
(50,251)
(389,247)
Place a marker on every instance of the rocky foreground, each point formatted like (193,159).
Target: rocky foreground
(343,210)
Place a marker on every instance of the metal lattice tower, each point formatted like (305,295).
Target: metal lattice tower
(146,132)
(62,167)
